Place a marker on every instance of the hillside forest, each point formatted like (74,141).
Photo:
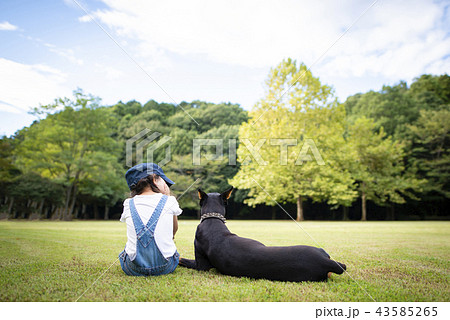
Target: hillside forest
(299,151)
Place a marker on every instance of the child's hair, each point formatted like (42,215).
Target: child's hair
(144,183)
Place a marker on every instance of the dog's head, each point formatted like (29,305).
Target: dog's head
(214,202)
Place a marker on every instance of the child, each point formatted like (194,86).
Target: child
(151,218)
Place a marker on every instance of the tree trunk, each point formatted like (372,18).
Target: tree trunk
(345,216)
(69,215)
(300,209)
(45,211)
(41,207)
(58,213)
(106,212)
(76,211)
(83,211)
(67,202)
(363,205)
(96,215)
(274,213)
(11,203)
(53,212)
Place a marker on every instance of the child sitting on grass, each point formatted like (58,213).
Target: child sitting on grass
(151,218)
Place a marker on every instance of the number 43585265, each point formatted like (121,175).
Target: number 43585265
(407,311)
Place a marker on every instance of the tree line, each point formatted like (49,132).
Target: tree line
(298,146)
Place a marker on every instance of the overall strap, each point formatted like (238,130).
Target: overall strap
(138,225)
(151,224)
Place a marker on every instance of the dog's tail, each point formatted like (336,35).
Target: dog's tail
(337,267)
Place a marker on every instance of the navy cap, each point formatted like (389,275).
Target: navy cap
(143,170)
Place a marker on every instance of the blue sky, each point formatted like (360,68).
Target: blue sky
(217,51)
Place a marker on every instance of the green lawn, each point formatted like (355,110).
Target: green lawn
(390,261)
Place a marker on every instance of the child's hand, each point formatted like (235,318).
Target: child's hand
(162,186)
(166,189)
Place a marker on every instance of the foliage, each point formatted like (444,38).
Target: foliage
(286,130)
(71,146)
(396,107)
(378,167)
(212,121)
(431,149)
(416,117)
(72,160)
(392,108)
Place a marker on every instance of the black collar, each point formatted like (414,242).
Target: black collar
(212,215)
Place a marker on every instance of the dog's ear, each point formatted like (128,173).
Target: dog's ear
(201,194)
(226,195)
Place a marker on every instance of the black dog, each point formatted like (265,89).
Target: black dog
(216,247)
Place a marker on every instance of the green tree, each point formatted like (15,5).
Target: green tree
(392,108)
(396,107)
(68,144)
(8,172)
(431,150)
(400,111)
(378,166)
(34,196)
(298,129)
(431,92)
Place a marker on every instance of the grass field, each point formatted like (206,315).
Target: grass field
(388,261)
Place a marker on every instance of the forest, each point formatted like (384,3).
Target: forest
(299,152)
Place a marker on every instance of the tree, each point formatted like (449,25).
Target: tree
(392,108)
(396,107)
(8,172)
(67,145)
(104,181)
(400,110)
(34,195)
(298,131)
(431,150)
(378,166)
(431,92)
(214,121)
(207,116)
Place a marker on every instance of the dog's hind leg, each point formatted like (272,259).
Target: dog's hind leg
(202,261)
(337,267)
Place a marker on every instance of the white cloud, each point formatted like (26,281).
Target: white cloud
(85,18)
(7,107)
(6,26)
(25,86)
(397,42)
(393,39)
(109,73)
(65,53)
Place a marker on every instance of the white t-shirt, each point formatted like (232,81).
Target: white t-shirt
(145,206)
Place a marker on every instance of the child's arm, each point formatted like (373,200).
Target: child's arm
(175,225)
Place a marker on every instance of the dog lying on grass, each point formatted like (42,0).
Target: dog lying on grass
(216,247)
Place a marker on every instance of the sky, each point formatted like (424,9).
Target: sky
(216,51)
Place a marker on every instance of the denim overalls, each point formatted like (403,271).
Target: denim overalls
(149,260)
